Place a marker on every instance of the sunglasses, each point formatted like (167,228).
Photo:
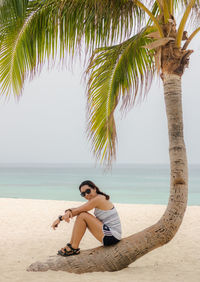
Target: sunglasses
(87,191)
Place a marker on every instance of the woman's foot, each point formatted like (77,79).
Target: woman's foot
(68,251)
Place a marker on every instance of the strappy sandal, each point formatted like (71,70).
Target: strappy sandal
(65,253)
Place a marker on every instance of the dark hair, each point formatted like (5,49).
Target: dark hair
(93,186)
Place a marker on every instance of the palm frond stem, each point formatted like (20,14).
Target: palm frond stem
(26,23)
(166,11)
(183,22)
(171,7)
(143,7)
(159,6)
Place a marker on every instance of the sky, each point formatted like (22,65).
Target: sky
(48,124)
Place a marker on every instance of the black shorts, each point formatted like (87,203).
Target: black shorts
(108,240)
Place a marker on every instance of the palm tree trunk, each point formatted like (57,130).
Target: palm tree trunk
(135,246)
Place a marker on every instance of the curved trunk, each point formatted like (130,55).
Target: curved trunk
(131,248)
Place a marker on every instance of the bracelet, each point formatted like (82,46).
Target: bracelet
(68,210)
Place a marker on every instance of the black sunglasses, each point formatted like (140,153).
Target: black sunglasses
(87,191)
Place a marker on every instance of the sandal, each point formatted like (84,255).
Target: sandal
(65,253)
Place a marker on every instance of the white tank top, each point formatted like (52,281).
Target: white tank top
(111,219)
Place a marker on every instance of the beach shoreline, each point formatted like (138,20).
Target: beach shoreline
(26,237)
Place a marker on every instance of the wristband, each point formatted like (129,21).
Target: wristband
(60,217)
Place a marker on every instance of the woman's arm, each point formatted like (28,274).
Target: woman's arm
(91,204)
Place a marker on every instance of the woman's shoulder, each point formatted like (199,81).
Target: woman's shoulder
(102,203)
(98,199)
(102,198)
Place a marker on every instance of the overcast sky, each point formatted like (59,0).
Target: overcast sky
(48,125)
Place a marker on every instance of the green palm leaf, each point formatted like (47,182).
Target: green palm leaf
(118,72)
(12,9)
(33,34)
(24,47)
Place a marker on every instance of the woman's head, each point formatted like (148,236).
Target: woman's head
(89,190)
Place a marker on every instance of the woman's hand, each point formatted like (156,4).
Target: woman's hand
(67,216)
(55,223)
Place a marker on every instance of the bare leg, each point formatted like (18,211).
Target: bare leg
(85,220)
(78,231)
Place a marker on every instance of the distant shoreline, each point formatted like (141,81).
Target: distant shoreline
(118,203)
(87,165)
(127,183)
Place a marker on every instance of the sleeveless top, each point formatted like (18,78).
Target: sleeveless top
(111,219)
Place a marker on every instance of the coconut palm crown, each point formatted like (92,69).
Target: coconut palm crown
(125,38)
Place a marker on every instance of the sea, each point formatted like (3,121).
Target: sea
(125,183)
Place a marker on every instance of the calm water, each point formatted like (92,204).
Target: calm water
(138,184)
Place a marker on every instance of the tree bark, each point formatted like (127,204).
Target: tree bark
(129,249)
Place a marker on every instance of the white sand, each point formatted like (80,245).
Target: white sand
(26,237)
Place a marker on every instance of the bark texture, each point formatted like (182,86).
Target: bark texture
(129,249)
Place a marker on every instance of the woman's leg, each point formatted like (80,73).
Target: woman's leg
(85,220)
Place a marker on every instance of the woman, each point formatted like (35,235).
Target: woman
(105,225)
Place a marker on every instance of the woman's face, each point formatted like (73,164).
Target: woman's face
(87,189)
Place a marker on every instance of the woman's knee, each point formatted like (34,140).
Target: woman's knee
(82,215)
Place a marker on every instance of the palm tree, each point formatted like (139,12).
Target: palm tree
(130,42)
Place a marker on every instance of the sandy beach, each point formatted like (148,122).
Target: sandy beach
(26,237)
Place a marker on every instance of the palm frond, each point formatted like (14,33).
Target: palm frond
(99,22)
(118,72)
(33,34)
(24,48)
(12,9)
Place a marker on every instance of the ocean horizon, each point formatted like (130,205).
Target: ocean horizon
(125,183)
